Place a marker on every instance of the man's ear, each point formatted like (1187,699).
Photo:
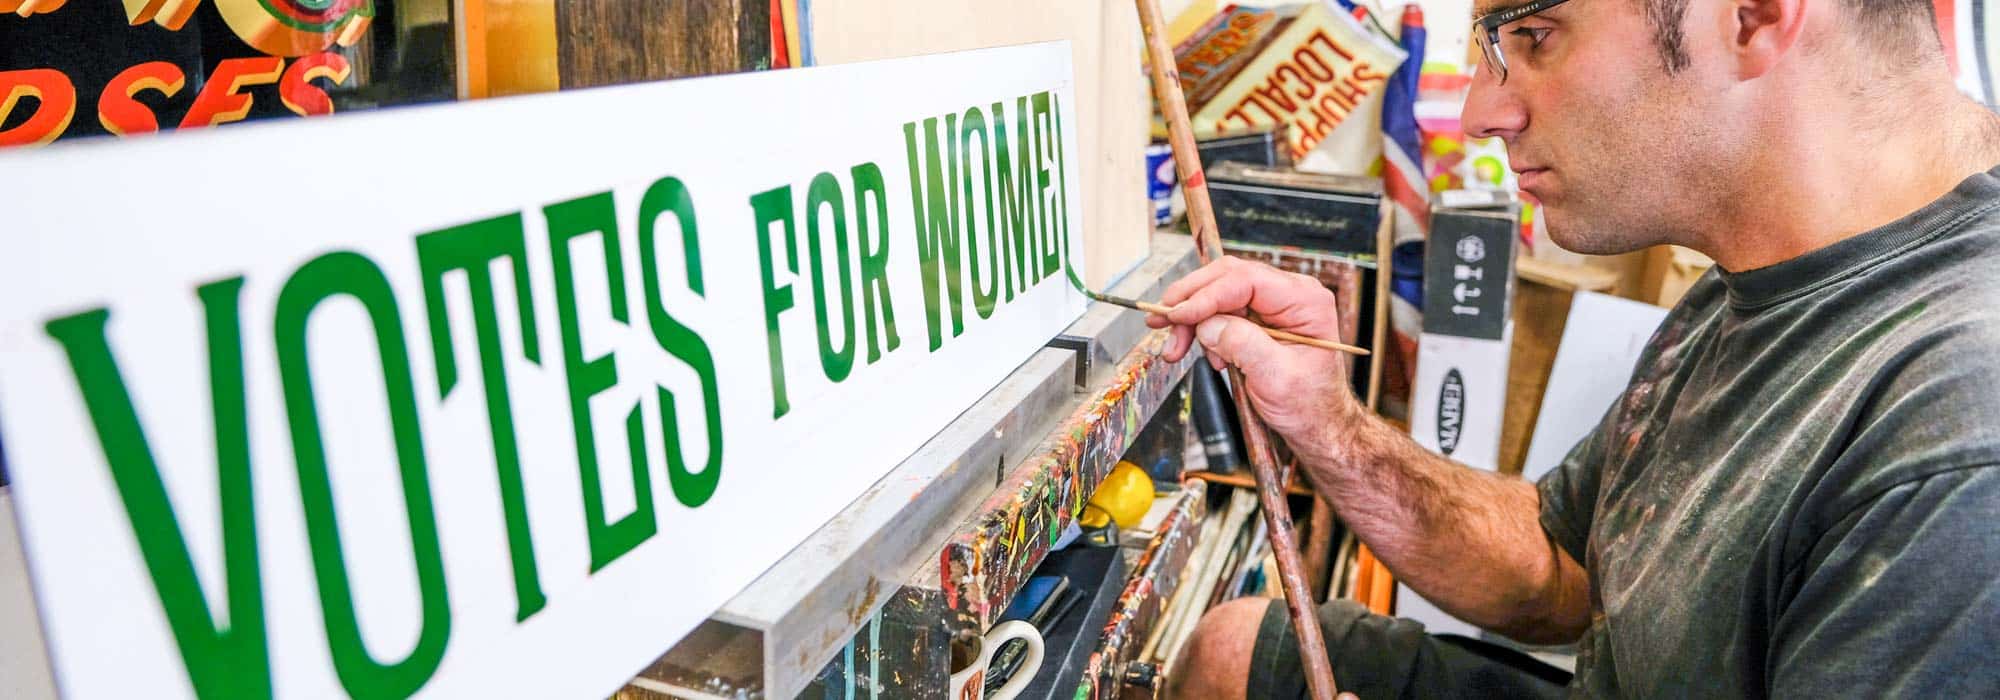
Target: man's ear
(1761,32)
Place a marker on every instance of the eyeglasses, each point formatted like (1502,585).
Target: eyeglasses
(1487,33)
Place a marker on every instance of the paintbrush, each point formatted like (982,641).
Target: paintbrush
(1161,309)
(1286,336)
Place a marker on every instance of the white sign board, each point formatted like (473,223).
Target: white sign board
(500,399)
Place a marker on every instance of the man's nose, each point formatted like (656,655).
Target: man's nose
(1492,109)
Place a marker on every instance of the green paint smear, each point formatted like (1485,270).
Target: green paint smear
(1070,272)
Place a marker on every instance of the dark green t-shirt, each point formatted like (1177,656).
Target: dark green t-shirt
(1797,494)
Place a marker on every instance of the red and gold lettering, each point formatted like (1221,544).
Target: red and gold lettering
(56,98)
(1349,92)
(1250,100)
(1274,91)
(1306,89)
(1365,72)
(123,115)
(172,14)
(297,91)
(1309,60)
(219,101)
(1236,114)
(1319,35)
(296,27)
(30,8)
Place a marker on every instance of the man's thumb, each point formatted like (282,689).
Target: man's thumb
(1236,341)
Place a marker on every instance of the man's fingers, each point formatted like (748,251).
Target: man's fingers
(1185,286)
(1178,343)
(1236,341)
(1285,300)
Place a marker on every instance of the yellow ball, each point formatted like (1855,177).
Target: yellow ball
(1125,496)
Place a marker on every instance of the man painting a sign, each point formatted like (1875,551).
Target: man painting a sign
(1794,496)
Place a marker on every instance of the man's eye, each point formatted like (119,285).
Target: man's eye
(1532,35)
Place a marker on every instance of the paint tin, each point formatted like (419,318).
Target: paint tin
(1160,179)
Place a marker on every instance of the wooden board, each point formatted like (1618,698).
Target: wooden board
(526,46)
(608,42)
(1113,103)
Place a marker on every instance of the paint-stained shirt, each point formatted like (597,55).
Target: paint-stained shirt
(1798,495)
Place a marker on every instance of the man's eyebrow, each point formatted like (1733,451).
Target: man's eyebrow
(1481,10)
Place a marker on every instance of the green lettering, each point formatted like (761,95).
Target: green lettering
(985,283)
(1051,257)
(473,247)
(350,274)
(568,220)
(232,661)
(874,256)
(775,206)
(1017,215)
(669,195)
(937,229)
(1062,179)
(825,192)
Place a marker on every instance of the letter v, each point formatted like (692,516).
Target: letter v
(229,660)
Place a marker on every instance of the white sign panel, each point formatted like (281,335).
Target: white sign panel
(500,399)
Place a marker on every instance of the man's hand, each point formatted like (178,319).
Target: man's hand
(1298,389)
(1466,539)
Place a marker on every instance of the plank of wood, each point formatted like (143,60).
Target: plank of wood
(610,42)
(1565,276)
(1540,312)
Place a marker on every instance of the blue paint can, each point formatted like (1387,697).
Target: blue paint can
(1160,180)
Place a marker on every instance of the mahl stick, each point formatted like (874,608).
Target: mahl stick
(1263,461)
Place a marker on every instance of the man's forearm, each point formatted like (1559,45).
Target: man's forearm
(1468,540)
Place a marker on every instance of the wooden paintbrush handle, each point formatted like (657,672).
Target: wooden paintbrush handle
(1291,337)
(1287,336)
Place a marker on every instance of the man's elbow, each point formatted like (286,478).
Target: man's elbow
(1556,611)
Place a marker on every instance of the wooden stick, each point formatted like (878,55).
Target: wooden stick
(1263,460)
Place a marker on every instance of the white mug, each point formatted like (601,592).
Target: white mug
(970,658)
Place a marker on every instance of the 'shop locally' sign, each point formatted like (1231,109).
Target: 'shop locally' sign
(501,399)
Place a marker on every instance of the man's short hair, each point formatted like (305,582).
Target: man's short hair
(1888,25)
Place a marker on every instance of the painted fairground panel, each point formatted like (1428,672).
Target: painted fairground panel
(81,68)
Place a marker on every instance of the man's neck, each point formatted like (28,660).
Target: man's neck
(1827,178)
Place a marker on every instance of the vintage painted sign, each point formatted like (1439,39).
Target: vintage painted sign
(448,402)
(131,67)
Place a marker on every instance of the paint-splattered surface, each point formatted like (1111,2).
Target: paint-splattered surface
(902,652)
(1155,577)
(986,562)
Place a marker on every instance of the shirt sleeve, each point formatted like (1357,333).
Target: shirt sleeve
(1569,496)
(1900,598)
